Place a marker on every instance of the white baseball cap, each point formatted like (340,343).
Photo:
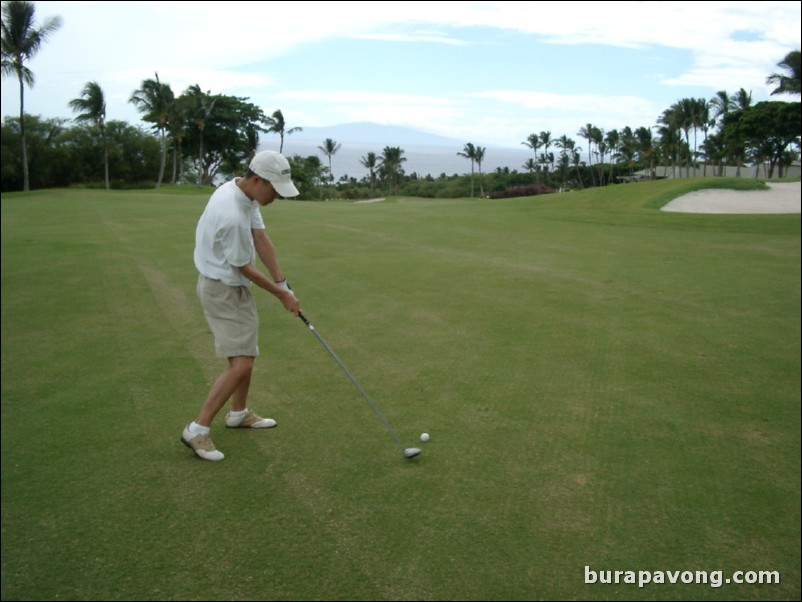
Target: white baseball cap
(274,168)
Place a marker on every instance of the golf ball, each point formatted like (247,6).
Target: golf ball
(424,437)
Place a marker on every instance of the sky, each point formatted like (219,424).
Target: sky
(489,73)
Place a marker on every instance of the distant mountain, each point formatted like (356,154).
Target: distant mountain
(423,153)
(373,134)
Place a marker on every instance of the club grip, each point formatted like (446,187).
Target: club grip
(303,317)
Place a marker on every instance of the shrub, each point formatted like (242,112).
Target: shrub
(526,190)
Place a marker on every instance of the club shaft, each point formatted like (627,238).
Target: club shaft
(353,380)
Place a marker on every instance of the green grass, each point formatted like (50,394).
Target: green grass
(605,384)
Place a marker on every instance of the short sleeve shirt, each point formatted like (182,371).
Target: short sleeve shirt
(223,238)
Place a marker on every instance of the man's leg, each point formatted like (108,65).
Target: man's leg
(238,417)
(235,380)
(239,399)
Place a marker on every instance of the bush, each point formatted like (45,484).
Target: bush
(527,190)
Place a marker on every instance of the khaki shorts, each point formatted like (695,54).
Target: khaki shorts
(232,317)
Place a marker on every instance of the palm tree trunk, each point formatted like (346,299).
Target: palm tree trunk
(331,179)
(687,157)
(106,160)
(162,161)
(200,162)
(601,168)
(179,159)
(26,186)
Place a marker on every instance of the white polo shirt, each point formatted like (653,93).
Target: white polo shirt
(223,238)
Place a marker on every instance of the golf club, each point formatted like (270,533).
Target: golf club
(409,452)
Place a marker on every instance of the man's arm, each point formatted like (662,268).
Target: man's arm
(267,253)
(288,300)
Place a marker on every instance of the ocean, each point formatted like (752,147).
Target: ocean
(420,159)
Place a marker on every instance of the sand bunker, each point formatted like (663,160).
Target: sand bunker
(782,197)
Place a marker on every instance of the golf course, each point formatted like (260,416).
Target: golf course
(612,394)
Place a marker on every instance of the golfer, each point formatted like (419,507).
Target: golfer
(229,235)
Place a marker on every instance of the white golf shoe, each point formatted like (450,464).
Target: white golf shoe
(202,446)
(249,420)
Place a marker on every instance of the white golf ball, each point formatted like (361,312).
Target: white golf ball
(424,437)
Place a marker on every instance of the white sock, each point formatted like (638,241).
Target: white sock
(197,429)
(238,414)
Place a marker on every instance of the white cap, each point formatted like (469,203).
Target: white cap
(274,168)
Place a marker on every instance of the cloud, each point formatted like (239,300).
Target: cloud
(416,37)
(345,106)
(237,48)
(494,116)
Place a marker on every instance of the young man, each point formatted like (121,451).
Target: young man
(229,235)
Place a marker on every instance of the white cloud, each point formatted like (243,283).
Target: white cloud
(722,45)
(413,38)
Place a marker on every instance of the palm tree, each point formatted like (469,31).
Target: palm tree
(530,165)
(479,157)
(545,142)
(597,136)
(741,100)
(329,148)
(738,102)
(612,139)
(670,136)
(92,107)
(683,118)
(370,162)
(566,145)
(533,142)
(789,82)
(587,133)
(20,41)
(179,117)
(155,101)
(200,107)
(576,158)
(695,113)
(628,150)
(469,152)
(391,160)
(277,125)
(721,104)
(645,145)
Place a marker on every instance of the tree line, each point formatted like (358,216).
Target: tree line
(198,137)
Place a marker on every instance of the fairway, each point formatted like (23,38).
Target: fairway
(607,387)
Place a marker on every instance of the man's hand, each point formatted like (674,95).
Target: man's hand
(284,292)
(290,302)
(284,285)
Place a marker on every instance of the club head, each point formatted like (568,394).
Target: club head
(411,452)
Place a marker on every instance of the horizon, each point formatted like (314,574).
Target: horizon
(486,72)
(429,155)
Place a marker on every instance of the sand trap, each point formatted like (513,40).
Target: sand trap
(783,197)
(370,201)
